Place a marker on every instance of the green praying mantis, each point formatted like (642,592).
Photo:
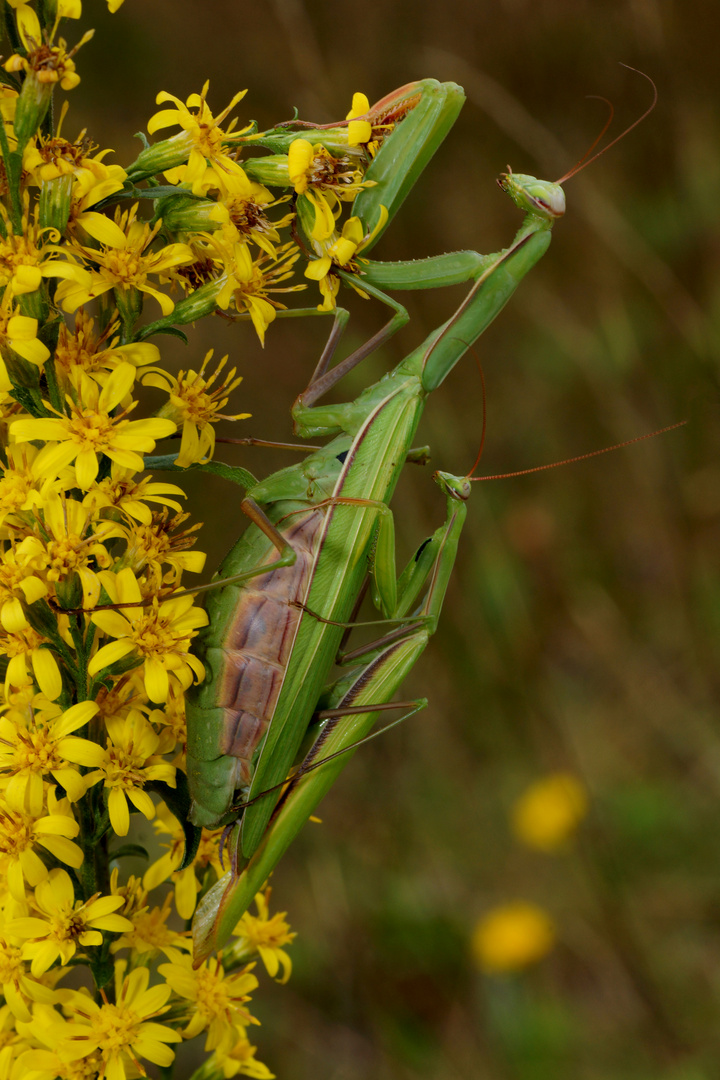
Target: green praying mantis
(274,634)
(289,587)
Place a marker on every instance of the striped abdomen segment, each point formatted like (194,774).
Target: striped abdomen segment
(258,645)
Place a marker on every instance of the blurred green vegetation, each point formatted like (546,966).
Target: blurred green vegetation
(583,625)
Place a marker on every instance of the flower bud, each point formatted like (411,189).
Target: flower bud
(129,303)
(32,104)
(271,169)
(185,213)
(163,155)
(55,202)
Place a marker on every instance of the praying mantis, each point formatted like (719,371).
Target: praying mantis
(290,585)
(336,503)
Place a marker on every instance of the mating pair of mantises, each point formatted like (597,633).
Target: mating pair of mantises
(266,737)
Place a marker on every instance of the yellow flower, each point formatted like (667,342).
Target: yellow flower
(19,488)
(217,999)
(91,429)
(549,811)
(66,544)
(67,922)
(18,333)
(123,262)
(195,406)
(340,251)
(121,1032)
(148,934)
(246,282)
(159,544)
(35,744)
(247,203)
(239,1060)
(160,636)
(124,492)
(20,832)
(127,763)
(27,257)
(200,143)
(96,354)
(325,181)
(48,158)
(17,986)
(264,935)
(46,63)
(25,648)
(185,883)
(359,131)
(17,585)
(512,936)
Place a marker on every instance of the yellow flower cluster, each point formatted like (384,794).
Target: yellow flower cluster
(97,619)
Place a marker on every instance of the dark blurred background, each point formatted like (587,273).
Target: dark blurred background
(582,628)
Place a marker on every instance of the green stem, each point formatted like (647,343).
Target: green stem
(86,872)
(13,166)
(52,385)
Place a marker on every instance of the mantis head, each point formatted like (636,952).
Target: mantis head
(454,487)
(540,197)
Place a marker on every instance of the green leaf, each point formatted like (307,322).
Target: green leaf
(234,473)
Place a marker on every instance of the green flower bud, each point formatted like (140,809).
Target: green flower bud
(166,154)
(55,202)
(35,305)
(335,140)
(271,170)
(129,303)
(185,213)
(32,104)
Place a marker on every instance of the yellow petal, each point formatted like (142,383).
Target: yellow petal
(22,328)
(109,654)
(186,890)
(118,810)
(53,458)
(55,892)
(81,751)
(360,105)
(64,850)
(300,155)
(86,469)
(142,802)
(359,132)
(118,386)
(103,229)
(318,268)
(343,250)
(156,680)
(26,279)
(33,588)
(47,673)
(12,616)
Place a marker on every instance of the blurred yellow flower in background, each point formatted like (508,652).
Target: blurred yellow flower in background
(549,811)
(512,936)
